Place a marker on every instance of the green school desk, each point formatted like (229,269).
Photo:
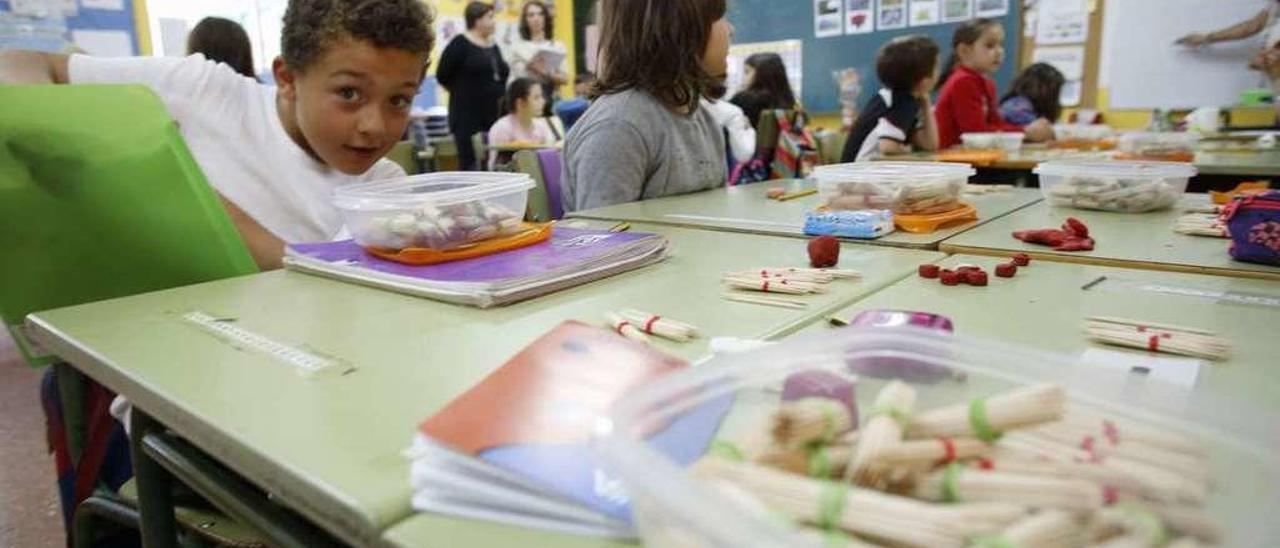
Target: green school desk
(1264,163)
(745,208)
(1129,240)
(328,445)
(437,531)
(1044,307)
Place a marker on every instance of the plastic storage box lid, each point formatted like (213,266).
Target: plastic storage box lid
(890,172)
(442,189)
(1116,168)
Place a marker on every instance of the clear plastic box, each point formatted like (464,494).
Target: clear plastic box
(1124,186)
(672,507)
(1081,132)
(1168,145)
(436,210)
(906,188)
(1006,141)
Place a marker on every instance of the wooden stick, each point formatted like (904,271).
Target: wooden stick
(806,421)
(654,324)
(767,301)
(626,328)
(1048,529)
(889,417)
(1187,464)
(1149,325)
(955,483)
(806,461)
(1016,408)
(931,452)
(1151,481)
(781,285)
(1154,338)
(797,194)
(836,273)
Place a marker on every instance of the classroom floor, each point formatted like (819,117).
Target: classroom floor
(29,516)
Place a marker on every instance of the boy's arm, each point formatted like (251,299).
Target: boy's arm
(926,137)
(266,249)
(32,67)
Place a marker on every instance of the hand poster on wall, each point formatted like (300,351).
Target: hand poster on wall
(954,11)
(923,12)
(891,14)
(859,17)
(828,18)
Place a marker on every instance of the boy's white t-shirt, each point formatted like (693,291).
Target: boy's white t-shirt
(231,125)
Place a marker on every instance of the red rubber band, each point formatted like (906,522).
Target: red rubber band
(1110,431)
(986,464)
(949,450)
(1110,495)
(1153,343)
(764,286)
(621,325)
(648,326)
(1086,443)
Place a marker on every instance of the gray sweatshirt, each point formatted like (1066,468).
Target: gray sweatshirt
(628,146)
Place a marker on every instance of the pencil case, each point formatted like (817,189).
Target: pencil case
(1254,225)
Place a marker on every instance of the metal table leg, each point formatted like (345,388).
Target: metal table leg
(155,486)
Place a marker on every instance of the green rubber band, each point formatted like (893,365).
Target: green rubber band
(899,416)
(828,423)
(978,421)
(992,541)
(1148,520)
(727,450)
(819,463)
(836,538)
(949,476)
(833,498)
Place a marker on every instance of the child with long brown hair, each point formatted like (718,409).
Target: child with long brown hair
(645,136)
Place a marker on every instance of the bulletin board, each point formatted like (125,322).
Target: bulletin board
(1089,69)
(100,27)
(771,20)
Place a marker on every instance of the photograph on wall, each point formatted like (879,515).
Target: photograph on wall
(991,8)
(859,17)
(891,14)
(954,11)
(1062,22)
(923,12)
(828,18)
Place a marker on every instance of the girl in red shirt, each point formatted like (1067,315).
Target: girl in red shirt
(967,102)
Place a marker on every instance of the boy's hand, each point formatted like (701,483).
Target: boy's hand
(1039,130)
(32,67)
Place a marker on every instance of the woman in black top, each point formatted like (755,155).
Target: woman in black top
(766,87)
(473,71)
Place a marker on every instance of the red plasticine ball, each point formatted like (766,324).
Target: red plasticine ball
(1006,270)
(930,271)
(824,252)
(1021,259)
(975,278)
(948,277)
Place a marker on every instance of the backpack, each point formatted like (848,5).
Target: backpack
(797,152)
(1254,225)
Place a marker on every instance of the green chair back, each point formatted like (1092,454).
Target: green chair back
(100,198)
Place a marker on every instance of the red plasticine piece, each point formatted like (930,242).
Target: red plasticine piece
(1076,227)
(949,278)
(976,278)
(930,271)
(1076,244)
(824,252)
(1006,270)
(1021,259)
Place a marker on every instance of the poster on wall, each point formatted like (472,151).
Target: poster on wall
(923,12)
(954,11)
(1062,22)
(859,17)
(891,14)
(828,18)
(991,8)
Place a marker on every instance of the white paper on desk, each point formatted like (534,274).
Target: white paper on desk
(1176,370)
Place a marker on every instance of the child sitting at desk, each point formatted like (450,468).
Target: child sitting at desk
(901,114)
(523,123)
(1034,95)
(645,135)
(347,75)
(967,100)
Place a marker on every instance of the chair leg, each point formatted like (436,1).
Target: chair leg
(155,487)
(98,507)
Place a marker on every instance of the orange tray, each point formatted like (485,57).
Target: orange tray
(974,157)
(924,224)
(533,233)
(1243,189)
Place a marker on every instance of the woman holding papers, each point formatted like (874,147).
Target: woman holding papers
(535,55)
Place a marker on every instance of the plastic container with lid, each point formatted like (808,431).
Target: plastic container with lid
(436,210)
(1081,132)
(1125,186)
(906,188)
(1006,141)
(1166,146)
(673,507)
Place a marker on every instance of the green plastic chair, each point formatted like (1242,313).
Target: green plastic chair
(100,198)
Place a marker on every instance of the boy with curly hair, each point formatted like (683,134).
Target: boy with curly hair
(347,75)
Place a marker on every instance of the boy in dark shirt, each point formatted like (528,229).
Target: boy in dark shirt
(900,115)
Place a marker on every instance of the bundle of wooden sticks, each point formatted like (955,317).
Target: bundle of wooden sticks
(1200,224)
(1170,339)
(781,280)
(1020,468)
(638,325)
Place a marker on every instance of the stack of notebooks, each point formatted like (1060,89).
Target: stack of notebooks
(569,258)
(516,447)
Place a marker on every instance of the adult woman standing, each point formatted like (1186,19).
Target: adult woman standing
(473,71)
(533,54)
